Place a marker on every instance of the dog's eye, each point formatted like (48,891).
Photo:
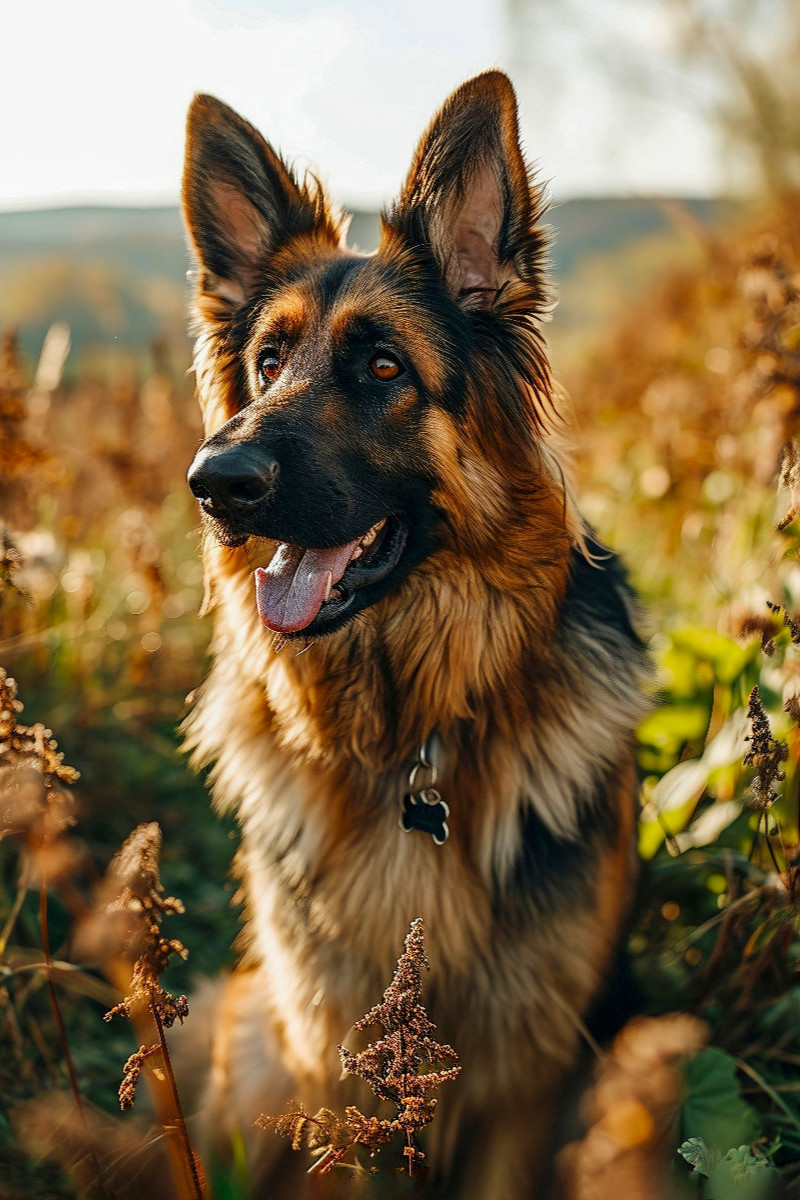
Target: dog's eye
(269,364)
(384,367)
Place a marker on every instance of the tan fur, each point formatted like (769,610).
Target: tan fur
(312,752)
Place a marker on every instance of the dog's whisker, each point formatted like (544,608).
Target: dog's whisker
(308,645)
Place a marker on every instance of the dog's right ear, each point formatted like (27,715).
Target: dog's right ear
(240,203)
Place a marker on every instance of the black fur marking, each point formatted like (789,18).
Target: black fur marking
(600,597)
(622,999)
(551,871)
(334,275)
(549,868)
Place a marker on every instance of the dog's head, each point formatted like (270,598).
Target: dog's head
(364,412)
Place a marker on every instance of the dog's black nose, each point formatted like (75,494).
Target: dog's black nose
(236,478)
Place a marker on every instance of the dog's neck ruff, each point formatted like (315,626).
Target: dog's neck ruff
(422,806)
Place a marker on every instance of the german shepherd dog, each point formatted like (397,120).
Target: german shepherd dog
(399,577)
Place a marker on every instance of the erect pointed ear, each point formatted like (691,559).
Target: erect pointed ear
(469,195)
(240,202)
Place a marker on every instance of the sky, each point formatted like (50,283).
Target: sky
(94,93)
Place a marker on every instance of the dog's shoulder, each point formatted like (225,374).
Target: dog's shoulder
(600,596)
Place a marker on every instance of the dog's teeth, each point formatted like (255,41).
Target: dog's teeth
(368,538)
(328,586)
(359,550)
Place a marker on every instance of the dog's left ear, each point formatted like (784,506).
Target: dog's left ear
(469,195)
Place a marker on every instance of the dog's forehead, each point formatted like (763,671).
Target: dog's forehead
(343,294)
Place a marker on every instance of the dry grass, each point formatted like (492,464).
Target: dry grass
(687,412)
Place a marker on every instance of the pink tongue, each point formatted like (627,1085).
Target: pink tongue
(290,592)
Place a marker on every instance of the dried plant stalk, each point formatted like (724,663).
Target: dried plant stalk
(394,1067)
(10,563)
(30,766)
(135,908)
(766,754)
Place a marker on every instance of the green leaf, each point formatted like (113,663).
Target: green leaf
(783,1013)
(714,1109)
(696,1152)
(674,724)
(741,1175)
(229,1180)
(726,656)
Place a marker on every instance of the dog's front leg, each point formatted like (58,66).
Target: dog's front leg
(503,1155)
(229,1071)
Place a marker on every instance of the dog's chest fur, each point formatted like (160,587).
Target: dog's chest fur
(521,905)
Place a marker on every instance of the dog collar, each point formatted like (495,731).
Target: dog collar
(422,806)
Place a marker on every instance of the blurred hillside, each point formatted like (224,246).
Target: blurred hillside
(116,276)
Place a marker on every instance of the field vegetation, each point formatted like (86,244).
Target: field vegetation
(685,415)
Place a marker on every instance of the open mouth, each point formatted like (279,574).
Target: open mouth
(308,591)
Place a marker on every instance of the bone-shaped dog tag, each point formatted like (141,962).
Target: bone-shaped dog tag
(427,812)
